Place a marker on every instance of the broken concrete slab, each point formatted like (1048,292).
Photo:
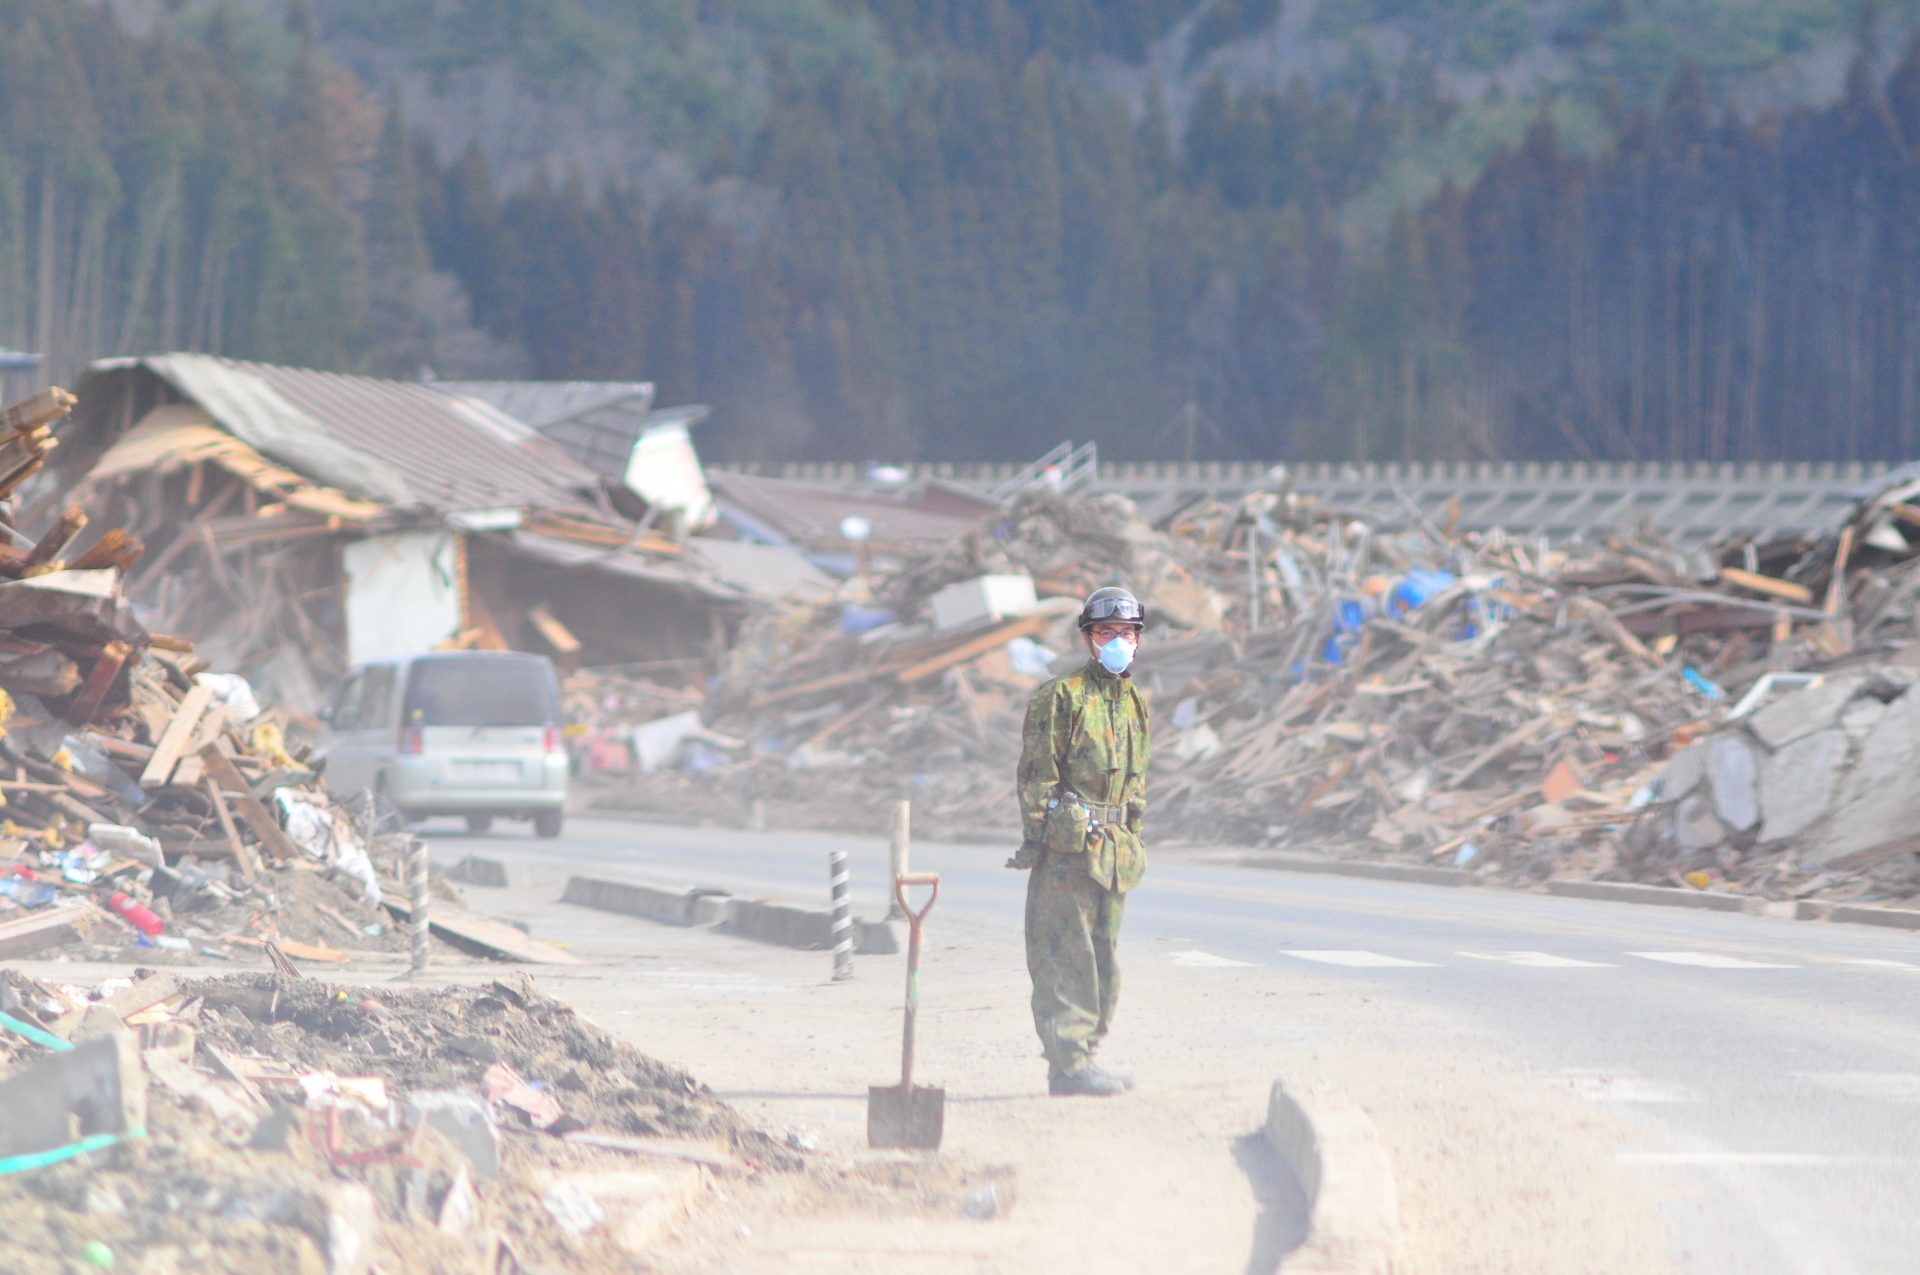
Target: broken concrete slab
(1697,828)
(465,1121)
(1797,713)
(1878,802)
(1735,772)
(1798,784)
(1685,769)
(94,1088)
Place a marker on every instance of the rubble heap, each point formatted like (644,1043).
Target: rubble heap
(258,1122)
(1422,695)
(146,800)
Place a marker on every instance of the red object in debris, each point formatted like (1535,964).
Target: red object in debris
(19,870)
(140,917)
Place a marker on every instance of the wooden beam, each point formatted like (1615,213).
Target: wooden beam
(221,770)
(1772,586)
(173,742)
(100,680)
(242,853)
(1025,626)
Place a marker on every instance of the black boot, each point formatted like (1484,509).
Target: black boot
(1088,1082)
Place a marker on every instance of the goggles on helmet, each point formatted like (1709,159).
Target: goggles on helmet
(1119,607)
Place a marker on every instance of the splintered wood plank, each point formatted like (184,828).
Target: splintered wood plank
(48,547)
(221,770)
(100,680)
(1772,586)
(173,741)
(115,548)
(37,412)
(242,853)
(1025,626)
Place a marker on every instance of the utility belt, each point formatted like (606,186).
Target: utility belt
(1097,812)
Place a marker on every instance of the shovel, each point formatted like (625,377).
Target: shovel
(902,1115)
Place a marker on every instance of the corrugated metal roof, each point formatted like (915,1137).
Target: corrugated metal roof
(808,514)
(403,444)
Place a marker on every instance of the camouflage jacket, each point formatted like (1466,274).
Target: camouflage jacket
(1085,740)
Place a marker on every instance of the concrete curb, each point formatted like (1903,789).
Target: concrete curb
(1353,1207)
(778,923)
(1657,895)
(1358,868)
(1857,914)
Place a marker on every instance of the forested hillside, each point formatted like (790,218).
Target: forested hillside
(969,228)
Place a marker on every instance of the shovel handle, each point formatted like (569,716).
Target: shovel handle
(907,880)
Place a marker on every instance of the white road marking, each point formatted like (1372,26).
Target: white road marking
(1754,1159)
(1878,963)
(1709,960)
(1596,1085)
(1356,958)
(1887,1086)
(1207,960)
(1538,960)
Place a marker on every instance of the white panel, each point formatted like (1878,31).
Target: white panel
(665,469)
(403,593)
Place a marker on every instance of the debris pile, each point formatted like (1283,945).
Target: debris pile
(146,800)
(1317,683)
(258,1122)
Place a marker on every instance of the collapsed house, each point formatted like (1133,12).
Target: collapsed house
(298,521)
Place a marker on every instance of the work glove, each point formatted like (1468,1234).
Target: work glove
(1027,856)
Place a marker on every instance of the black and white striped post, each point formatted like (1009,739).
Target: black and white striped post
(417,862)
(842,915)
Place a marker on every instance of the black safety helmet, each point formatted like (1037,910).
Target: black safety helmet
(1112,603)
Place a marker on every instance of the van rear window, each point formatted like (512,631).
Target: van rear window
(482,692)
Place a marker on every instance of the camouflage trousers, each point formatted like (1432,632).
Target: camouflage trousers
(1073,929)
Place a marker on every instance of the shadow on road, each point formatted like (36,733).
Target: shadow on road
(1282,1224)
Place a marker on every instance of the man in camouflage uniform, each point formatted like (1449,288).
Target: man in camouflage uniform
(1083,795)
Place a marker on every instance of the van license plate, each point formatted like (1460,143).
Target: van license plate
(487,769)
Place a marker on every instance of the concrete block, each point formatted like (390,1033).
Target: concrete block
(464,1120)
(710,907)
(1863,914)
(1794,714)
(782,924)
(1696,827)
(879,938)
(982,598)
(1685,769)
(1735,773)
(1353,1205)
(1798,783)
(96,1087)
(475,870)
(672,907)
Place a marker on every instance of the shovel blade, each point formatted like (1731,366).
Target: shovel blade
(901,1117)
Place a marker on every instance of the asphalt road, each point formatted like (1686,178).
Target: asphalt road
(1770,1067)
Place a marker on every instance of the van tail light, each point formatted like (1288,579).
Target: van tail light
(551,739)
(413,741)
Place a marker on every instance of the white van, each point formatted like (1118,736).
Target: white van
(473,733)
